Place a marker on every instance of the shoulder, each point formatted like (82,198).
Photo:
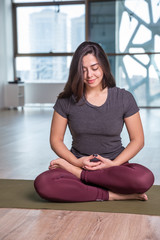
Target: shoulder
(124,99)
(117,90)
(120,93)
(117,94)
(63,100)
(62,105)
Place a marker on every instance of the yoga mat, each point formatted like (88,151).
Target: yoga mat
(21,194)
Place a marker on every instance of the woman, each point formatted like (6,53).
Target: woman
(97,167)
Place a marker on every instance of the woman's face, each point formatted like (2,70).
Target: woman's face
(92,71)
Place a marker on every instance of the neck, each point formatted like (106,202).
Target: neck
(93,91)
(97,97)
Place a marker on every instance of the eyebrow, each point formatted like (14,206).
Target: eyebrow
(92,65)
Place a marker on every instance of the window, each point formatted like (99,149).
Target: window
(50,29)
(43,69)
(47,34)
(128,31)
(46,37)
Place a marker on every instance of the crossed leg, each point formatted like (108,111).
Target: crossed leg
(59,185)
(72,184)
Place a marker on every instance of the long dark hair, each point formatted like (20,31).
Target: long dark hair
(75,83)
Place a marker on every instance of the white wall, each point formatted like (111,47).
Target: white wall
(6,47)
(42,92)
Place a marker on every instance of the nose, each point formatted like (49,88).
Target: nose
(89,73)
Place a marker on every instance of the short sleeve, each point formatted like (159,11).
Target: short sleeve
(129,103)
(61,106)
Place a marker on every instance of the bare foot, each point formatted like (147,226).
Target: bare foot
(62,163)
(58,163)
(136,196)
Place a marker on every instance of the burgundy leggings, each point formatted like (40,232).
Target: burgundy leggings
(61,186)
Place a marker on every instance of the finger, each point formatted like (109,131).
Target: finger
(89,158)
(87,166)
(99,157)
(93,164)
(93,168)
(96,156)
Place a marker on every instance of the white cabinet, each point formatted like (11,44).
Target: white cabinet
(14,95)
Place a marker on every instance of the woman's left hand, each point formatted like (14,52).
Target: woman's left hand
(104,163)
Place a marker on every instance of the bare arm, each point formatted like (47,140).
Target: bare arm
(135,131)
(58,128)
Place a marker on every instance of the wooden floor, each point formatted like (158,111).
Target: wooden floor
(68,225)
(25,152)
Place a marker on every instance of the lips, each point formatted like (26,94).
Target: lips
(91,81)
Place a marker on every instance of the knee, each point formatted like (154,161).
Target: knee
(50,184)
(41,183)
(144,181)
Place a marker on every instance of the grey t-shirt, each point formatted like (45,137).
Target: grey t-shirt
(97,129)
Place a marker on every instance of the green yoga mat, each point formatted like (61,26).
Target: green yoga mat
(21,194)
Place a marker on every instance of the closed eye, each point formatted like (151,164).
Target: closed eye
(94,69)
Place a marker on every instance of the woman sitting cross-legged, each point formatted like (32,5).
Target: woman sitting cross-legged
(97,166)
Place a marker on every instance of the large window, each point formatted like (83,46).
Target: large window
(47,34)
(50,29)
(139,71)
(129,32)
